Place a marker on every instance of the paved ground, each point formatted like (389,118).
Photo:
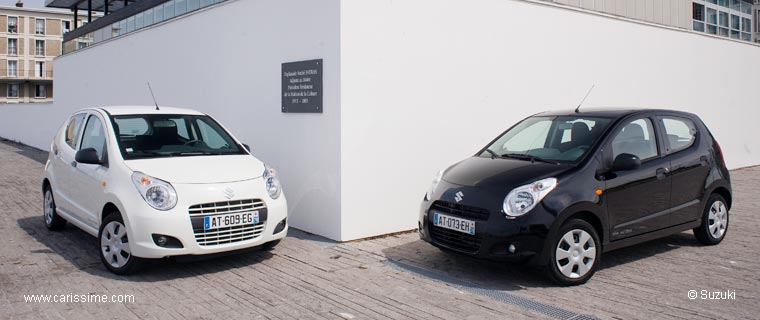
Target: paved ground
(397,277)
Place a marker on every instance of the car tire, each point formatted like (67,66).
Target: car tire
(113,245)
(575,253)
(270,245)
(715,219)
(53,221)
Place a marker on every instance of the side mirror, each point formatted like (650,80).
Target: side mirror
(88,156)
(247,147)
(626,162)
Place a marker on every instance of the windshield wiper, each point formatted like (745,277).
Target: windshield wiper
(527,157)
(193,153)
(494,155)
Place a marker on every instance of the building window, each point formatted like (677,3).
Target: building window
(65,26)
(40,91)
(12,68)
(13,90)
(39,26)
(39,47)
(12,47)
(39,69)
(735,22)
(698,14)
(12,24)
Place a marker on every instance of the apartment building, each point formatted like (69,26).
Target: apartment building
(726,18)
(29,41)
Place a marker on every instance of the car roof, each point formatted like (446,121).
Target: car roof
(608,112)
(129,110)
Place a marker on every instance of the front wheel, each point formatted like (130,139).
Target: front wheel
(714,221)
(114,246)
(575,253)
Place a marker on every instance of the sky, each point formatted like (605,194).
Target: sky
(27,3)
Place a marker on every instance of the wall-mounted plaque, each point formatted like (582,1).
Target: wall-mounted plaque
(302,86)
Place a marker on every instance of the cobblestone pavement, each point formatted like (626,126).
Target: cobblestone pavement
(397,277)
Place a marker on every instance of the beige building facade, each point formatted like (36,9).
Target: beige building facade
(29,41)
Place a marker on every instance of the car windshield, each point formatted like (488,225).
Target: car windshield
(153,136)
(561,139)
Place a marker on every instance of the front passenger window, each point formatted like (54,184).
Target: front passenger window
(636,138)
(94,136)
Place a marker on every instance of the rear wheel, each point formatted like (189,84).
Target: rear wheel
(53,221)
(714,221)
(575,253)
(114,246)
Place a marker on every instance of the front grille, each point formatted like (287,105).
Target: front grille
(460,210)
(455,239)
(227,234)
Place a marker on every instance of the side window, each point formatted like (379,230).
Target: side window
(681,133)
(636,138)
(72,130)
(94,136)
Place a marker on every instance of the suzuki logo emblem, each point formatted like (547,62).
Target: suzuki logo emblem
(459,196)
(229,193)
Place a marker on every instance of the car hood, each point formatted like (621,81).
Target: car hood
(500,173)
(200,169)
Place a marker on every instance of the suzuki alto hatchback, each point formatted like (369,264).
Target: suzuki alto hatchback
(152,183)
(560,188)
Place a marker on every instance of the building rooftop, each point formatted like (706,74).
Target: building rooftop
(97,5)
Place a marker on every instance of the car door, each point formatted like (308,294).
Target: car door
(690,167)
(637,200)
(64,150)
(88,178)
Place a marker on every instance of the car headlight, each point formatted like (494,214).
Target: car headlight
(523,199)
(158,193)
(436,181)
(272,183)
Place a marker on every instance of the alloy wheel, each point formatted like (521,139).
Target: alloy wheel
(114,244)
(717,219)
(49,210)
(576,253)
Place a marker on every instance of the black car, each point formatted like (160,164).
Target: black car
(559,188)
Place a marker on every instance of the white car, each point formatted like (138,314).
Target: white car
(153,182)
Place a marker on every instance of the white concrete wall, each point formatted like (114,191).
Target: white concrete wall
(427,83)
(226,61)
(33,124)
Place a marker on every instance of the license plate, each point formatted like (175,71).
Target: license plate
(230,220)
(453,223)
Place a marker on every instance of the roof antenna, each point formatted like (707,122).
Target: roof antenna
(152,95)
(578,109)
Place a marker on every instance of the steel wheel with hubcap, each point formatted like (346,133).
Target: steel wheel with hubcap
(114,246)
(52,220)
(714,221)
(575,253)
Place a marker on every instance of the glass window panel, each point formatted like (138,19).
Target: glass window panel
(734,34)
(735,22)
(746,37)
(192,5)
(698,11)
(139,21)
(205,3)
(746,25)
(723,3)
(158,14)
(115,30)
(131,24)
(699,26)
(169,10)
(723,19)
(148,17)
(711,29)
(723,32)
(712,16)
(122,27)
(713,1)
(180,7)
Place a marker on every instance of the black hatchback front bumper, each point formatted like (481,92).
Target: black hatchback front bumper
(494,232)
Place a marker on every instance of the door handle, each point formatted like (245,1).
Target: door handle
(74,164)
(662,173)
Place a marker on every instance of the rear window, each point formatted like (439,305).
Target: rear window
(681,133)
